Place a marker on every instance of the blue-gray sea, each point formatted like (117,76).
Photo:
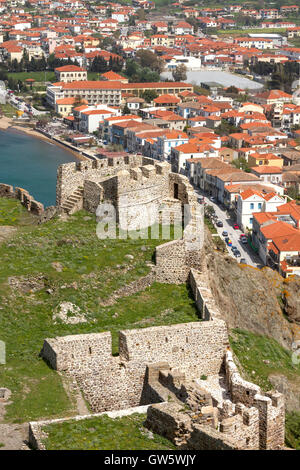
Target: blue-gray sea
(31,163)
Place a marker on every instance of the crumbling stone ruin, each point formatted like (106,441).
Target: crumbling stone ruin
(23,196)
(185,373)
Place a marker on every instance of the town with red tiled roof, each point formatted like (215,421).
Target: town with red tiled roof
(210,91)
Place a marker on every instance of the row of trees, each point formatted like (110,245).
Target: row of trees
(36,65)
(101,65)
(281,75)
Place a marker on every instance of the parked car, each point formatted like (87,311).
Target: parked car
(242,236)
(237,253)
(212,199)
(236,227)
(233,248)
(243,261)
(244,240)
(224,233)
(219,223)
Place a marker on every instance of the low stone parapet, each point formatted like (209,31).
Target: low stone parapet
(28,201)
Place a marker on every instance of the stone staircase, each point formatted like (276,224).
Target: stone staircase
(74,202)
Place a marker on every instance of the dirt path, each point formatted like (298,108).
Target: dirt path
(12,436)
(75,395)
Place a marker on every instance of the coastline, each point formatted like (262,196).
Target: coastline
(8,124)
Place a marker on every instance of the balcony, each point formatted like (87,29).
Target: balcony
(293,260)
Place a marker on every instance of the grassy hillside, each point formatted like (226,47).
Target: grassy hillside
(64,261)
(126,433)
(261,356)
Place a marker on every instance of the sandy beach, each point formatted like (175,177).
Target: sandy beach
(8,123)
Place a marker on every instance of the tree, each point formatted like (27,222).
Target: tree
(126,110)
(232,89)
(131,21)
(179,74)
(149,95)
(242,164)
(78,101)
(149,59)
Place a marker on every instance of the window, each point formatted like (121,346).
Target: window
(251,205)
(259,205)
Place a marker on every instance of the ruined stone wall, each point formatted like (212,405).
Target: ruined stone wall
(175,259)
(184,396)
(197,347)
(23,196)
(204,299)
(270,406)
(271,420)
(205,438)
(92,195)
(70,176)
(118,382)
(242,427)
(73,352)
(140,194)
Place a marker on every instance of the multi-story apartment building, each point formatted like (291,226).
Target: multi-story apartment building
(94,92)
(109,92)
(70,73)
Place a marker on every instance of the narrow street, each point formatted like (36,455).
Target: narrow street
(246,252)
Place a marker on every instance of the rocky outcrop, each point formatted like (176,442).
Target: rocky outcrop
(251,298)
(291,299)
(290,389)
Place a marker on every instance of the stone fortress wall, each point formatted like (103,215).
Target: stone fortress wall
(112,382)
(186,371)
(178,369)
(23,196)
(70,176)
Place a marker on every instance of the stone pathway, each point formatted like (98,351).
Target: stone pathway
(130,289)
(216,386)
(12,436)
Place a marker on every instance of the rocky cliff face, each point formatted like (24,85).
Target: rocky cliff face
(259,300)
(291,299)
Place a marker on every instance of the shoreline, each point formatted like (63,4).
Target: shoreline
(8,124)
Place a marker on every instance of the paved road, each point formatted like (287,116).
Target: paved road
(23,106)
(246,252)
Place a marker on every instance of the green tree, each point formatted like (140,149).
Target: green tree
(149,95)
(148,59)
(126,110)
(179,74)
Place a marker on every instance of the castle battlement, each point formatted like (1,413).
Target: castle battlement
(23,196)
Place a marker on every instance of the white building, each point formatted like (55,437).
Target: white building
(251,201)
(169,141)
(91,116)
(191,63)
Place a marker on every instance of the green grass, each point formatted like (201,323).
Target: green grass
(210,225)
(92,270)
(295,42)
(104,433)
(245,32)
(292,430)
(8,110)
(12,213)
(40,76)
(37,76)
(94,76)
(252,349)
